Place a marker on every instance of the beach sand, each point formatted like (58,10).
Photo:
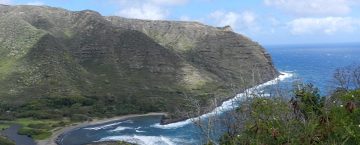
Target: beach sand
(63,130)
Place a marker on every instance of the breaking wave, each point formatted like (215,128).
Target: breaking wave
(229,104)
(142,140)
(108,125)
(120,128)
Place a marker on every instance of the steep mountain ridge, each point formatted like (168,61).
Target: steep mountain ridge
(125,65)
(218,50)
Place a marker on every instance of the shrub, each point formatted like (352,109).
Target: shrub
(5,141)
(35,133)
(79,118)
(306,119)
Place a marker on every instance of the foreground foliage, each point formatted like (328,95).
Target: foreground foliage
(306,119)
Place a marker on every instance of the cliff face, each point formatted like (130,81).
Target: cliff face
(228,55)
(52,52)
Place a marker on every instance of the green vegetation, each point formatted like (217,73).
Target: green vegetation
(55,65)
(40,117)
(306,119)
(36,128)
(4,125)
(77,109)
(37,134)
(5,141)
(301,117)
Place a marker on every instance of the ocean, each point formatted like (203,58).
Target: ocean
(315,63)
(306,63)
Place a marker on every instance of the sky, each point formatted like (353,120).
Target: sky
(269,22)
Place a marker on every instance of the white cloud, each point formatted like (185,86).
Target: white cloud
(185,18)
(274,21)
(225,18)
(313,7)
(274,24)
(6,2)
(146,9)
(327,25)
(244,21)
(155,2)
(36,3)
(169,2)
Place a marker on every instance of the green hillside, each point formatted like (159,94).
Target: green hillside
(56,64)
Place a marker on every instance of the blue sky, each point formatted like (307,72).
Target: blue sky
(266,21)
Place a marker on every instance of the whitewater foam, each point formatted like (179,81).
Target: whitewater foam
(108,125)
(141,140)
(229,104)
(103,127)
(120,128)
(128,121)
(139,131)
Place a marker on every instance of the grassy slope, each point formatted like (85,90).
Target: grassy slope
(108,73)
(17,39)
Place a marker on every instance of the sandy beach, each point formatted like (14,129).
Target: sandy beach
(60,131)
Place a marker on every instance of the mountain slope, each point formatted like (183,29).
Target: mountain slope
(218,50)
(121,65)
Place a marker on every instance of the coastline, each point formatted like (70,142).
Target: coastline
(59,133)
(227,104)
(278,77)
(63,130)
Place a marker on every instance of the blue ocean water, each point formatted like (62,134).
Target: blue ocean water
(312,64)
(315,63)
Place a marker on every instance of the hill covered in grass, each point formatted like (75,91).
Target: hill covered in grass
(56,63)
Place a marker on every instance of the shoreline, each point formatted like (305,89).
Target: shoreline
(53,140)
(277,77)
(223,106)
(63,130)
